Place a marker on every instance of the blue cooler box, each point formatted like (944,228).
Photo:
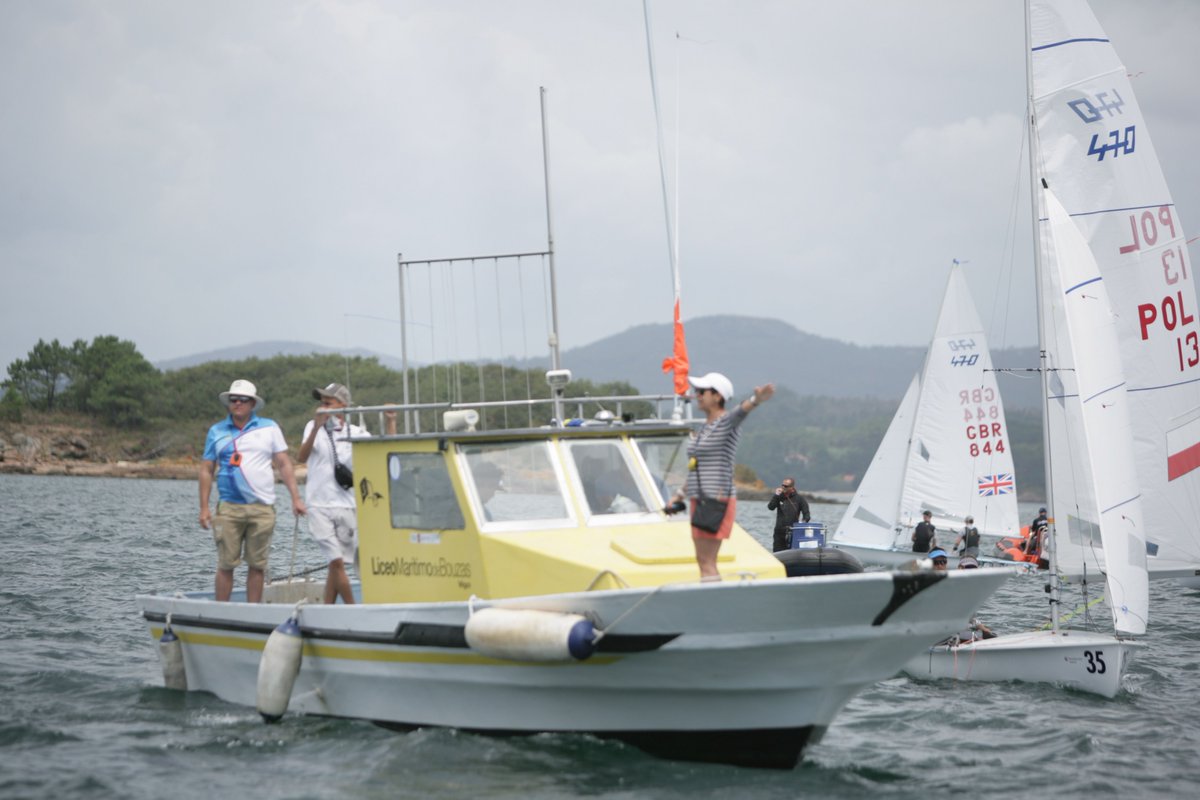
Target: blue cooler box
(808,535)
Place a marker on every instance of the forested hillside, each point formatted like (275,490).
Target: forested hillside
(826,443)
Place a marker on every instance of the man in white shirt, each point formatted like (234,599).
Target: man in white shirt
(331,516)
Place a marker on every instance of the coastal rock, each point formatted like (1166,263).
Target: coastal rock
(29,448)
(3,448)
(71,447)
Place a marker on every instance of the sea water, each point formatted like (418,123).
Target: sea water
(83,712)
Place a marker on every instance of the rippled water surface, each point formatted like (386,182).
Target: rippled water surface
(83,714)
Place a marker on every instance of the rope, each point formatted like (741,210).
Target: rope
(609,573)
(602,632)
(295,537)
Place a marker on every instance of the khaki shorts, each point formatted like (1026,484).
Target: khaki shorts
(238,527)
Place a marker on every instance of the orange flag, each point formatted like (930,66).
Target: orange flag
(678,361)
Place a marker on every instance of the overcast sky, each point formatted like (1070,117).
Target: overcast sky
(199,175)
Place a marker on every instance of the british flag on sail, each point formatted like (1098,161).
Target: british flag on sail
(992,485)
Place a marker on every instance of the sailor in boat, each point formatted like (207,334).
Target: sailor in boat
(940,559)
(789,507)
(244,446)
(329,486)
(967,543)
(924,535)
(1033,545)
(711,451)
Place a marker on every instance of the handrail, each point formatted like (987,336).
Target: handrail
(578,403)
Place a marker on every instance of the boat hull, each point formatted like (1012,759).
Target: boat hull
(745,673)
(1081,660)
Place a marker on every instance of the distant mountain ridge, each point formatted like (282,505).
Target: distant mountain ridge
(749,350)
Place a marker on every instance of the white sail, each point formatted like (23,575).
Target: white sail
(1096,154)
(871,517)
(960,457)
(947,448)
(1079,300)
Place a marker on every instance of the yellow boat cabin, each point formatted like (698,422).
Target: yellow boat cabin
(446,515)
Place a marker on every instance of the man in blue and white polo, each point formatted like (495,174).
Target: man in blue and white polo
(244,446)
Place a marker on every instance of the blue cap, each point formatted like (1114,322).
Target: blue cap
(937,552)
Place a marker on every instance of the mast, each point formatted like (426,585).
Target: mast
(1038,267)
(555,359)
(403,342)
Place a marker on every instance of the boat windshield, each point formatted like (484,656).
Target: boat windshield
(607,479)
(514,481)
(666,460)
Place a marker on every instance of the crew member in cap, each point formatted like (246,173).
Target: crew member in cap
(240,451)
(924,535)
(711,451)
(967,543)
(331,517)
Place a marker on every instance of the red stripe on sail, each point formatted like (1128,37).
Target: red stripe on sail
(678,362)
(1183,462)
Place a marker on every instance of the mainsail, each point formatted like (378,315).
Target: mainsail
(1096,154)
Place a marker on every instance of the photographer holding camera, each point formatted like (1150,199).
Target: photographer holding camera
(789,507)
(328,488)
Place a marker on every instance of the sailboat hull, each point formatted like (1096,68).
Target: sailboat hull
(1081,660)
(695,671)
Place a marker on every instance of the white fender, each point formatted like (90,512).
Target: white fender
(528,635)
(278,668)
(170,652)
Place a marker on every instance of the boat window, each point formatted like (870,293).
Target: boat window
(666,459)
(420,492)
(607,480)
(514,481)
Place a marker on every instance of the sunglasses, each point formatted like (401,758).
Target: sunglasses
(237,398)
(940,561)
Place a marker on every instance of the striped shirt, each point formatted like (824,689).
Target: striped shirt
(711,450)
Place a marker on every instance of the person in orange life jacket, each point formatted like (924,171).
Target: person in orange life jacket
(789,507)
(331,515)
(245,447)
(924,536)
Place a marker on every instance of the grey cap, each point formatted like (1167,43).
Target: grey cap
(334,390)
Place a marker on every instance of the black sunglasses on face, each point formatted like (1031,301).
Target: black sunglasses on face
(237,398)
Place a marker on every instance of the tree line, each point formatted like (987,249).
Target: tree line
(823,442)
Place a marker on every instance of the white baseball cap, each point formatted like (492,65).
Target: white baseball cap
(715,381)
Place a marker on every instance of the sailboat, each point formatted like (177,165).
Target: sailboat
(1095,411)
(946,450)
(1096,154)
